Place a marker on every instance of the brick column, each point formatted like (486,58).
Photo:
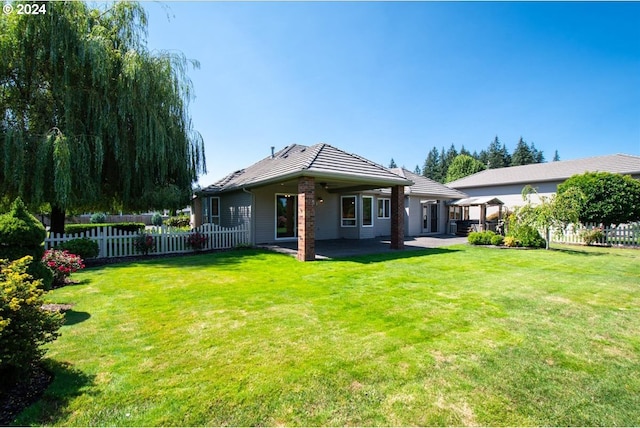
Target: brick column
(306,219)
(397,217)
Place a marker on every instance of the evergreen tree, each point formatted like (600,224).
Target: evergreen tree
(497,155)
(417,170)
(431,167)
(537,154)
(483,157)
(464,151)
(392,164)
(443,166)
(556,156)
(89,117)
(522,155)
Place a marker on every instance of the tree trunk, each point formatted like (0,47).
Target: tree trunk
(57,219)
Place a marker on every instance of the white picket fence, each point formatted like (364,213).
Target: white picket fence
(118,243)
(627,235)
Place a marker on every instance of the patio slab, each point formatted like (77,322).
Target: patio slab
(339,248)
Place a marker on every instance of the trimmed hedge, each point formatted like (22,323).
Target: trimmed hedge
(83,247)
(70,229)
(481,238)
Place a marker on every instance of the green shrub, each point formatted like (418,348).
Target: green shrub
(528,236)
(21,234)
(497,240)
(481,238)
(592,236)
(83,247)
(144,243)
(97,218)
(178,221)
(511,241)
(83,229)
(24,325)
(156,219)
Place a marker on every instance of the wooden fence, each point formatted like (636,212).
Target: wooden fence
(627,235)
(167,240)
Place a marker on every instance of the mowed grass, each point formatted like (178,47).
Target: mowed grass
(452,336)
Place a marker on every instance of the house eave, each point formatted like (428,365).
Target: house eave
(362,181)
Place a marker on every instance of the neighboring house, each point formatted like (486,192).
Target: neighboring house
(321,192)
(507,183)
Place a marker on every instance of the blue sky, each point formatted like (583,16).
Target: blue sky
(393,79)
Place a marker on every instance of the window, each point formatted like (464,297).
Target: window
(215,210)
(367,211)
(454,212)
(384,208)
(348,212)
(286,221)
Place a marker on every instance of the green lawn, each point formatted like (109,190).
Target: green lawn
(455,336)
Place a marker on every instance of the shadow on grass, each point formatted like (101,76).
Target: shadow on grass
(72,317)
(393,255)
(577,252)
(225,258)
(67,384)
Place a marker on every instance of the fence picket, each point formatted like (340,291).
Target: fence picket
(623,234)
(119,243)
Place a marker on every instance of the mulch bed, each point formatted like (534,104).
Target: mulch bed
(26,391)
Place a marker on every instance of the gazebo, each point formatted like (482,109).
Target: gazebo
(464,224)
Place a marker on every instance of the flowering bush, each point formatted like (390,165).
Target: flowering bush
(196,241)
(62,264)
(144,243)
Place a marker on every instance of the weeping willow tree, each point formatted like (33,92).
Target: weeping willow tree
(90,118)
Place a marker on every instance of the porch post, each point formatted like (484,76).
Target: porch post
(306,219)
(397,217)
(483,217)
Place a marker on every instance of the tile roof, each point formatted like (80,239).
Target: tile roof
(319,160)
(423,186)
(550,171)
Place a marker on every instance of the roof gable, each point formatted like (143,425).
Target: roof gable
(550,171)
(320,160)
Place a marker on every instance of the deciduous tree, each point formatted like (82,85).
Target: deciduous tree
(609,198)
(89,117)
(463,166)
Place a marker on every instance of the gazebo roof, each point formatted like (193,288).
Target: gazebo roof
(483,200)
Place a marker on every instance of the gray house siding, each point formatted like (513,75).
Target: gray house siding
(510,194)
(235,209)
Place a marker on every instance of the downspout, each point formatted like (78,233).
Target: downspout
(252,223)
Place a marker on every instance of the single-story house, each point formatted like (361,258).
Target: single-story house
(319,192)
(507,183)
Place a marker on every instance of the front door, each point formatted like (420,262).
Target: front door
(434,218)
(430,218)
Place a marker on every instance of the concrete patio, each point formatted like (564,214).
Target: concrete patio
(339,248)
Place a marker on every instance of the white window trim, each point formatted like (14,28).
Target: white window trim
(371,211)
(385,201)
(355,218)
